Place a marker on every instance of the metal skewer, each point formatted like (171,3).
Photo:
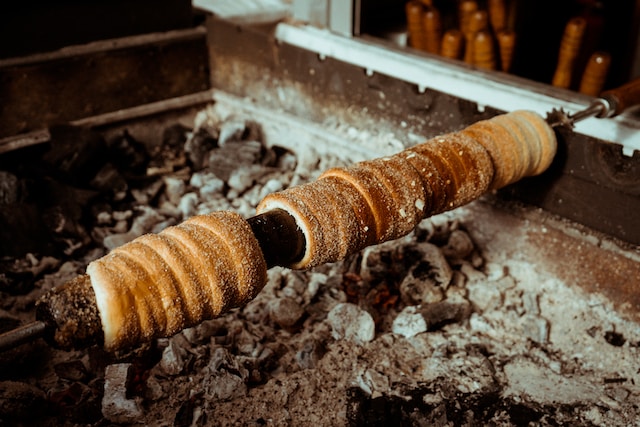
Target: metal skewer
(22,334)
(610,104)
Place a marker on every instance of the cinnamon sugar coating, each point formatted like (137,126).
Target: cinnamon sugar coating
(157,285)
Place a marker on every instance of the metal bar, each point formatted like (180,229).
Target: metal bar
(106,46)
(43,135)
(24,140)
(140,111)
(497,90)
(21,335)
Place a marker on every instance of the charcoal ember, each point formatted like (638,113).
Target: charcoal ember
(128,155)
(190,413)
(438,314)
(247,342)
(310,353)
(231,129)
(286,160)
(10,188)
(75,154)
(376,261)
(207,183)
(232,156)
(175,135)
(174,356)
(227,378)
(436,229)
(198,145)
(72,370)
(169,155)
(428,279)
(286,312)
(20,401)
(116,406)
(22,230)
(204,331)
(350,322)
(153,390)
(457,288)
(418,288)
(459,245)
(614,338)
(109,180)
(78,402)
(316,281)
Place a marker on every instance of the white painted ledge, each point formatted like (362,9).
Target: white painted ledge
(497,90)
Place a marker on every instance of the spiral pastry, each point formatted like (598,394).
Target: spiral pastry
(159,284)
(374,201)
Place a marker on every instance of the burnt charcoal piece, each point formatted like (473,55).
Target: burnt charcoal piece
(615,338)
(109,180)
(16,282)
(185,415)
(129,155)
(175,135)
(442,313)
(73,370)
(197,148)
(223,161)
(75,155)
(79,403)
(23,231)
(20,401)
(10,188)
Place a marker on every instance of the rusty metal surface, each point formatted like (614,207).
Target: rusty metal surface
(590,181)
(100,78)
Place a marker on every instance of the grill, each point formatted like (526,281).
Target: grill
(519,307)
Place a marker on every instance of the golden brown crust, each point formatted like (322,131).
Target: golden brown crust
(405,186)
(546,137)
(379,200)
(520,144)
(463,165)
(357,210)
(160,284)
(435,172)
